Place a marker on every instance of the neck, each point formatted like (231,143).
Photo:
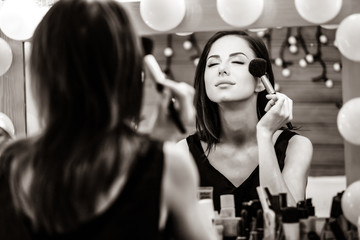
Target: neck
(238,121)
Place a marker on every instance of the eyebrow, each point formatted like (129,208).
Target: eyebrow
(231,55)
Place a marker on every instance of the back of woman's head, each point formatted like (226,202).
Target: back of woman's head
(86,78)
(208,120)
(86,65)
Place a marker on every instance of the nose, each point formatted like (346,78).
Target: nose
(223,69)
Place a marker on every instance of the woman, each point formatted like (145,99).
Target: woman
(89,174)
(240,140)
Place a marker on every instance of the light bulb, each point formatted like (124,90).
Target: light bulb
(260,34)
(278,62)
(302,63)
(323,39)
(293,49)
(329,83)
(309,58)
(286,72)
(196,61)
(337,67)
(277,87)
(292,40)
(168,52)
(187,45)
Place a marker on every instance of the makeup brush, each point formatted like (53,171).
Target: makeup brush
(257,68)
(159,77)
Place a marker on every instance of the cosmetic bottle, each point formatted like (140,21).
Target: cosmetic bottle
(244,214)
(311,212)
(260,224)
(241,233)
(227,206)
(290,223)
(282,200)
(218,225)
(207,209)
(231,227)
(304,222)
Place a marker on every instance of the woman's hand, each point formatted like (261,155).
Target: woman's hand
(182,96)
(279,111)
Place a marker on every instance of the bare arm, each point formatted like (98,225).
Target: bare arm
(293,178)
(179,195)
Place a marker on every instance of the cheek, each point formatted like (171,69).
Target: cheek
(209,86)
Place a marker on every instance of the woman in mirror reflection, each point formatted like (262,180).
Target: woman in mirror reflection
(89,174)
(241,140)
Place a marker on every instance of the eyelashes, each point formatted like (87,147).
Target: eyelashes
(212,64)
(234,62)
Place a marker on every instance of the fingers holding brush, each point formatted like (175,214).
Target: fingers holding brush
(272,100)
(279,111)
(182,98)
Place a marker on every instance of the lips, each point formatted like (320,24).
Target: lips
(224,82)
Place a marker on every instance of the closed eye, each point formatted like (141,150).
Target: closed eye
(212,64)
(237,62)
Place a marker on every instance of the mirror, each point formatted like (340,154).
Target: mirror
(315,88)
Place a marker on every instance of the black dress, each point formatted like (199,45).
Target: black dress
(209,176)
(135,212)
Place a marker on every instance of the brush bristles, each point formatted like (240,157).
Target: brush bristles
(257,67)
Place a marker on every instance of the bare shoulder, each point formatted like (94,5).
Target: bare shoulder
(183,145)
(300,141)
(297,140)
(179,164)
(299,148)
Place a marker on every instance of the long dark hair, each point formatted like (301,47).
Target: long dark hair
(86,78)
(208,122)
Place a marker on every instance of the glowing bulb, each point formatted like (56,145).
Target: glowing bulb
(278,62)
(292,40)
(277,87)
(187,45)
(260,34)
(293,49)
(337,67)
(323,39)
(196,61)
(168,52)
(302,63)
(329,83)
(309,58)
(286,72)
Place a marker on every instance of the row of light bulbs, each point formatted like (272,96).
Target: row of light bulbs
(19,18)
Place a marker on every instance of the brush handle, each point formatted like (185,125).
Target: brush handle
(159,78)
(269,88)
(176,116)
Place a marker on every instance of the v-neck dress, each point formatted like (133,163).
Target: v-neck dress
(210,176)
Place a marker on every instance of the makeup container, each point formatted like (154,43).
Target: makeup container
(205,193)
(207,209)
(304,221)
(260,224)
(290,223)
(282,200)
(231,227)
(311,212)
(227,206)
(268,215)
